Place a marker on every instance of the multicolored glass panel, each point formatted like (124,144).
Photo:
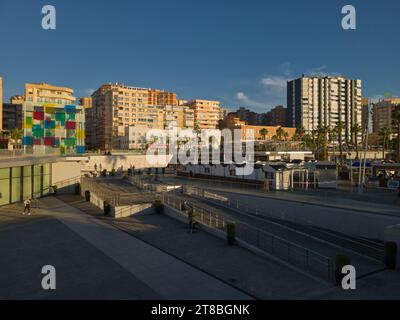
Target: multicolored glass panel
(55,126)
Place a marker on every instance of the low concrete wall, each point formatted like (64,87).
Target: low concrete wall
(120,162)
(65,170)
(392,234)
(120,211)
(127,211)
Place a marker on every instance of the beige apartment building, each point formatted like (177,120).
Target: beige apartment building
(17,99)
(365,112)
(117,106)
(315,102)
(178,117)
(382,114)
(206,113)
(86,102)
(161,98)
(46,93)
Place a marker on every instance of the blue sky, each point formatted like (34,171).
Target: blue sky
(239,52)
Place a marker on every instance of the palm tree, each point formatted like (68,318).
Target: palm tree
(322,135)
(308,141)
(300,131)
(332,138)
(385,133)
(16,136)
(339,129)
(396,122)
(263,132)
(356,130)
(280,132)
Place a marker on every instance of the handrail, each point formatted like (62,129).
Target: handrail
(323,261)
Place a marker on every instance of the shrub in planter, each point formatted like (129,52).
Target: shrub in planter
(341,261)
(158,205)
(78,189)
(87,195)
(107,208)
(104,173)
(113,172)
(54,189)
(391,255)
(231,233)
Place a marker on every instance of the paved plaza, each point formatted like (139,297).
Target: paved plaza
(146,257)
(93,260)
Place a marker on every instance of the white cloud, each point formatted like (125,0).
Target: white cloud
(241,97)
(321,71)
(274,82)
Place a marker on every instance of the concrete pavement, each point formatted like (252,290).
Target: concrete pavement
(27,243)
(167,276)
(261,277)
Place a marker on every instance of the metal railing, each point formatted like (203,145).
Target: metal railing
(276,216)
(105,194)
(294,254)
(68,182)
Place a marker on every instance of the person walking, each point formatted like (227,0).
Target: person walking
(27,207)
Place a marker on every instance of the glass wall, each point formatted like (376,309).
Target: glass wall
(20,183)
(37,181)
(27,182)
(4,186)
(16,184)
(46,178)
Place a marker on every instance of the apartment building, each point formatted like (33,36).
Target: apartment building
(261,133)
(206,113)
(365,112)
(278,116)
(382,114)
(86,103)
(12,116)
(178,117)
(161,98)
(117,106)
(46,93)
(315,102)
(17,99)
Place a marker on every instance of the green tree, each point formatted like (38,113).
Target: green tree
(263,132)
(339,129)
(385,134)
(322,142)
(300,131)
(356,130)
(396,122)
(280,132)
(16,136)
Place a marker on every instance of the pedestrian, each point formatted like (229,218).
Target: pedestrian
(27,207)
